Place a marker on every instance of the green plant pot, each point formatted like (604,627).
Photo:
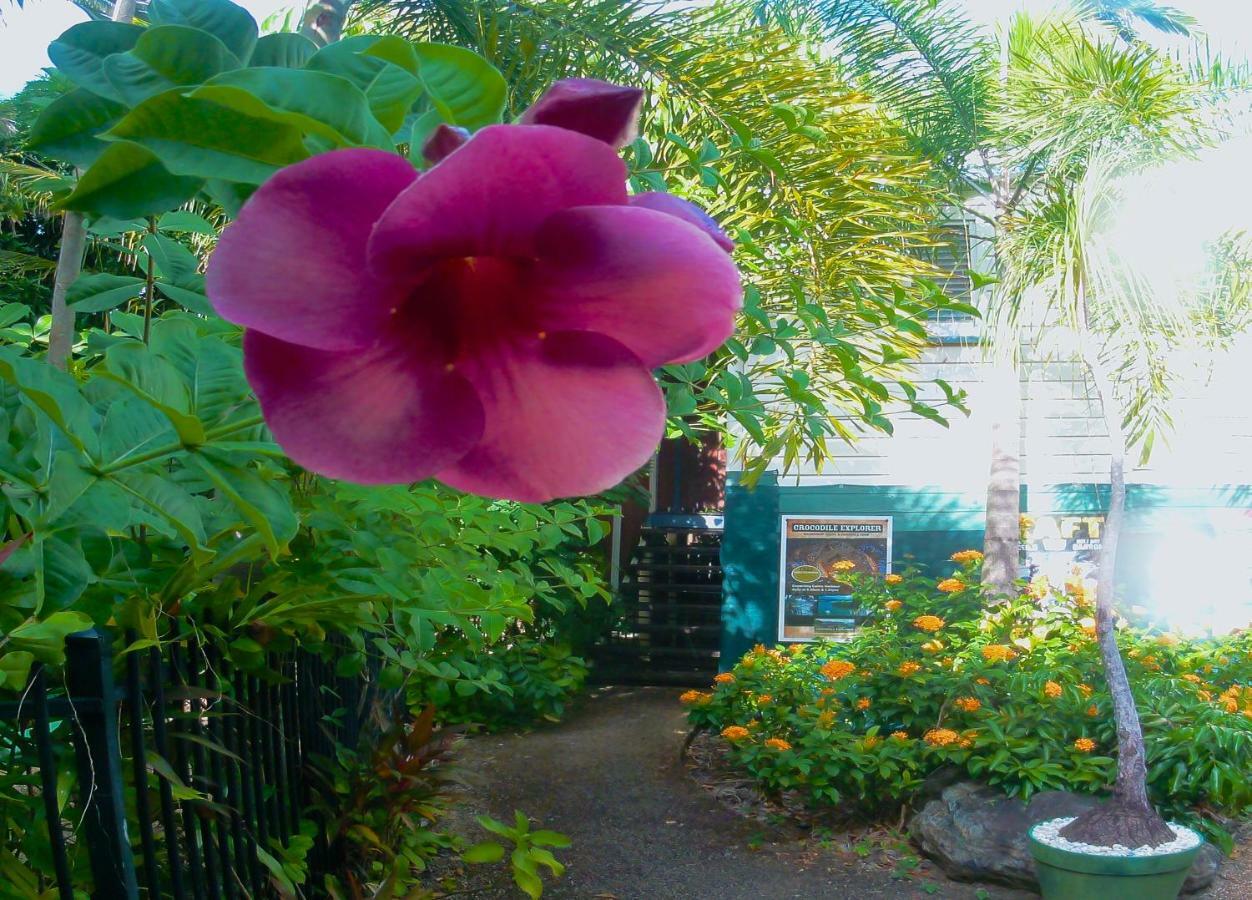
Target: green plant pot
(1065,875)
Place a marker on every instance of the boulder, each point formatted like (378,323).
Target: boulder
(976,833)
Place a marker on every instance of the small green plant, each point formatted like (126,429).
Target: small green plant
(528,855)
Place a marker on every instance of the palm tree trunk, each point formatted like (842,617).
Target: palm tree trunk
(69,265)
(1001,537)
(1128,817)
(323,22)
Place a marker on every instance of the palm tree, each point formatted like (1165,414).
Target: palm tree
(831,208)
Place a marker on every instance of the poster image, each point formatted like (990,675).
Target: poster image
(817,554)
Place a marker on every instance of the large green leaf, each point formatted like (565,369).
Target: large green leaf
(79,53)
(182,220)
(260,503)
(45,640)
(55,394)
(212,369)
(171,504)
(132,427)
(158,382)
(166,57)
(231,24)
(465,88)
(194,137)
(390,88)
(173,262)
(96,293)
(127,182)
(285,49)
(315,102)
(68,127)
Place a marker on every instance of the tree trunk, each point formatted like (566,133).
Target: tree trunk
(69,265)
(1003,528)
(323,22)
(1128,817)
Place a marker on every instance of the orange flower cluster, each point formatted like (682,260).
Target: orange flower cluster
(1168,640)
(981,680)
(724,678)
(1093,710)
(941,737)
(932,646)
(777,743)
(1088,626)
(908,667)
(735,732)
(967,704)
(966,556)
(695,698)
(764,699)
(1053,690)
(892,605)
(893,578)
(835,669)
(1085,690)
(950,586)
(863,703)
(998,653)
(1193,678)
(1084,745)
(928,623)
(871,741)
(900,735)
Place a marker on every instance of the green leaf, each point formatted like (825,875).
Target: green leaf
(231,24)
(486,852)
(544,838)
(15,669)
(194,137)
(259,503)
(315,102)
(182,220)
(389,88)
(45,640)
(68,127)
(173,262)
(61,574)
(465,88)
(126,182)
(96,293)
(55,394)
(171,504)
(212,368)
(155,380)
(190,298)
(167,56)
(80,51)
(287,49)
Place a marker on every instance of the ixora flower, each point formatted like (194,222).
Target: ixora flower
(928,623)
(966,556)
(492,322)
(735,732)
(950,586)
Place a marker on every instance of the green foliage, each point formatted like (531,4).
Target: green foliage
(1009,692)
(529,855)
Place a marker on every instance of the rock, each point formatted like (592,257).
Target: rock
(940,778)
(1203,870)
(976,833)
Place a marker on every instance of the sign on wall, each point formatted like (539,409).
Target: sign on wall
(818,552)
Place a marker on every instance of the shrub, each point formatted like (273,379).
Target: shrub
(1011,693)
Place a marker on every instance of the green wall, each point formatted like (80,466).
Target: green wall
(929,524)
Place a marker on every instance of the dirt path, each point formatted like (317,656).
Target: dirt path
(611,779)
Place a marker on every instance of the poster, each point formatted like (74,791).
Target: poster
(1061,547)
(813,602)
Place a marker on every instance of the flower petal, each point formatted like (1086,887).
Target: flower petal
(569,415)
(489,197)
(293,263)
(443,140)
(606,112)
(653,282)
(389,415)
(685,210)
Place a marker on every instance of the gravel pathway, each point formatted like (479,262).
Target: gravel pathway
(610,778)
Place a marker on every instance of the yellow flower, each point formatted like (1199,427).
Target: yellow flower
(871,741)
(835,669)
(893,578)
(1231,706)
(863,703)
(892,605)
(1053,690)
(1084,745)
(932,646)
(1193,678)
(1085,690)
(759,650)
(967,704)
(844,565)
(1039,587)
(1025,524)
(981,680)
(724,678)
(695,698)
(908,667)
(900,735)
(764,699)
(1093,710)
(777,744)
(950,586)
(965,556)
(941,737)
(826,719)
(795,649)
(734,732)
(997,653)
(928,623)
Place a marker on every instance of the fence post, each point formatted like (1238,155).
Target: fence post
(90,676)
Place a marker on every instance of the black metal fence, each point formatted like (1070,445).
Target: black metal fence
(172,772)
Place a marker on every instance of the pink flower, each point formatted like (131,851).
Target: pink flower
(491,323)
(609,112)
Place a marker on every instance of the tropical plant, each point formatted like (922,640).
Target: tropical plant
(832,213)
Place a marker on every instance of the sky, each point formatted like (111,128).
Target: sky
(25,33)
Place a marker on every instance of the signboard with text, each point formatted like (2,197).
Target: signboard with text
(818,553)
